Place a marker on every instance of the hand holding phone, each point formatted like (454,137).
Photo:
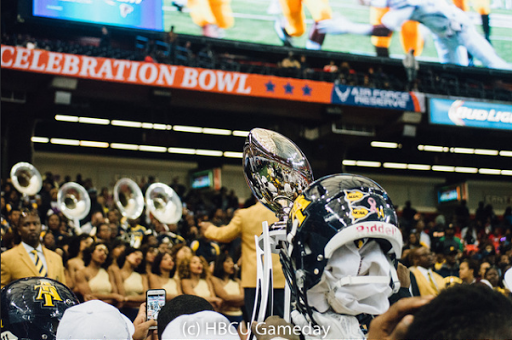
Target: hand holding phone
(155,300)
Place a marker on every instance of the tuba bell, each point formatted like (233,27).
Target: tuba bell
(26,179)
(74,202)
(130,201)
(163,202)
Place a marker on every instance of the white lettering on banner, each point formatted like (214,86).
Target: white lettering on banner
(203,80)
(164,72)
(6,49)
(189,77)
(71,63)
(241,85)
(21,60)
(35,61)
(134,66)
(88,64)
(106,69)
(375,97)
(53,64)
(153,73)
(120,64)
(458,112)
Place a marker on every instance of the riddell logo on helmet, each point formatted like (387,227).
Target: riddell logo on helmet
(376,228)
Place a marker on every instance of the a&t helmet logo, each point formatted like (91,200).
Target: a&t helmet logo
(47,293)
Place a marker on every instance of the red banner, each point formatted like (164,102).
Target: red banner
(163,75)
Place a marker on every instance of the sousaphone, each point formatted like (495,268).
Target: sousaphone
(74,202)
(130,201)
(26,179)
(164,203)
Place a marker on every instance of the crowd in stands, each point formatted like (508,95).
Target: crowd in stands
(172,50)
(116,260)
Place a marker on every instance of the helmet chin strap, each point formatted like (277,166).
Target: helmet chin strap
(358,280)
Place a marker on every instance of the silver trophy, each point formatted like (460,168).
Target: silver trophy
(277,172)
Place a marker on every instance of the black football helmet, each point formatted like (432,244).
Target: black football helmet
(32,308)
(331,212)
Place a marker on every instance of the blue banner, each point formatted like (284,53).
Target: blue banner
(378,98)
(470,114)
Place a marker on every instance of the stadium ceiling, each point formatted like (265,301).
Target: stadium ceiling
(165,119)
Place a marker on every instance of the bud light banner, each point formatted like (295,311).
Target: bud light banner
(470,114)
(378,98)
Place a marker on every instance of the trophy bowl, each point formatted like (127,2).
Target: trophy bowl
(275,169)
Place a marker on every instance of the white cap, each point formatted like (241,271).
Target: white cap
(205,325)
(94,319)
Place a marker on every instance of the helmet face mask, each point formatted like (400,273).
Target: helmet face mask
(330,213)
(32,308)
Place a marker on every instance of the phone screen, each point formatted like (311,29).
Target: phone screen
(155,300)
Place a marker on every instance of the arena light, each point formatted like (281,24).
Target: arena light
(506,172)
(431,148)
(369,164)
(349,162)
(152,148)
(185,128)
(184,151)
(93,144)
(64,141)
(161,127)
(505,153)
(466,170)
(486,152)
(418,167)
(462,150)
(388,145)
(232,154)
(391,165)
(214,131)
(90,120)
(240,133)
(485,171)
(213,153)
(126,123)
(64,118)
(40,139)
(147,126)
(123,146)
(444,168)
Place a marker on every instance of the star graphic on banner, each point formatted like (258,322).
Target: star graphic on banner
(270,86)
(306,90)
(288,88)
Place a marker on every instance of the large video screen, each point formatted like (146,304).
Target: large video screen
(436,30)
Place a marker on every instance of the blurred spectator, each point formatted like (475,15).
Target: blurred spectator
(408,213)
(451,265)
(134,281)
(462,214)
(331,67)
(105,38)
(428,281)
(305,68)
(161,277)
(449,239)
(411,68)
(290,61)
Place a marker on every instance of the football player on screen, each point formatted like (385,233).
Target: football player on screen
(410,35)
(453,32)
(293,23)
(211,15)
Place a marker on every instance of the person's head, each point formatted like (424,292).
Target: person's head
(449,231)
(422,257)
(180,305)
(180,251)
(49,241)
(493,276)
(104,232)
(413,239)
(54,222)
(464,312)
(467,270)
(132,257)
(113,216)
(97,218)
(29,227)
(149,253)
(224,267)
(97,253)
(14,216)
(450,254)
(118,247)
(191,266)
(95,319)
(483,268)
(163,263)
(33,307)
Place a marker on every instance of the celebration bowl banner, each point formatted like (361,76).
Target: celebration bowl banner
(198,79)
(470,114)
